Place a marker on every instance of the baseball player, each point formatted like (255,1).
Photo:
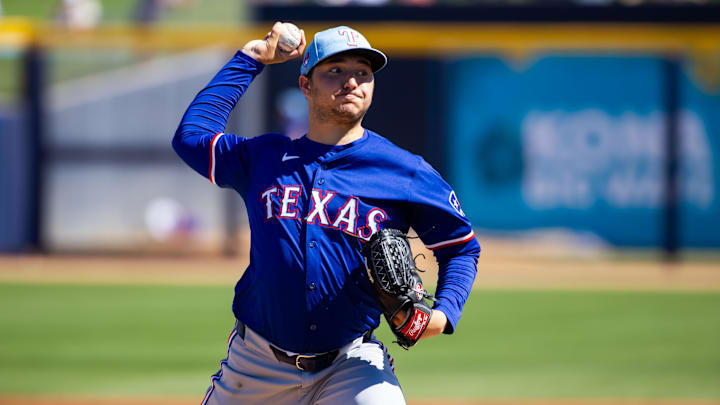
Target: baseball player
(304,308)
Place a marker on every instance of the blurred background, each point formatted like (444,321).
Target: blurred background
(581,137)
(595,121)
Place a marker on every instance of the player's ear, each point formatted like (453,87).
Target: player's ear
(304,84)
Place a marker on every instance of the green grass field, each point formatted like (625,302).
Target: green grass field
(127,340)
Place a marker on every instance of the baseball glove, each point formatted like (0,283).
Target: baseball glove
(396,285)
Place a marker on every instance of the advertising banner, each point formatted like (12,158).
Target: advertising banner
(578,142)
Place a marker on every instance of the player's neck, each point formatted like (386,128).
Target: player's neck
(334,134)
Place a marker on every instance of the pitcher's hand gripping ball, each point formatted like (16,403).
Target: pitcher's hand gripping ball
(290,37)
(397,287)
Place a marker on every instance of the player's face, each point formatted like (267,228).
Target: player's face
(340,88)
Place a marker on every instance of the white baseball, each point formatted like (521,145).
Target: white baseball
(290,37)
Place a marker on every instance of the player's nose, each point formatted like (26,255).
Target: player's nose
(351,82)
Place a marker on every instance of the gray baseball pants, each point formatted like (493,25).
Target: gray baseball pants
(362,374)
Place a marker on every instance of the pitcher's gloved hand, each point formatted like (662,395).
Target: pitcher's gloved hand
(397,287)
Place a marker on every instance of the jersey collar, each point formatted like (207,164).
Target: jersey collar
(328,153)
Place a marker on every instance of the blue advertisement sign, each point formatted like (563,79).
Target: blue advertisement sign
(579,143)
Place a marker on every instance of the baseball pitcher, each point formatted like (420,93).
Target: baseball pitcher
(328,214)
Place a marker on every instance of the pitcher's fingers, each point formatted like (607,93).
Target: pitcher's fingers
(301,47)
(274,34)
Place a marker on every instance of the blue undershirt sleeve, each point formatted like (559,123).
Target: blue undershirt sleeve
(457,267)
(199,139)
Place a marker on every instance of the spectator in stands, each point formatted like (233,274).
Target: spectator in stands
(79,14)
(149,11)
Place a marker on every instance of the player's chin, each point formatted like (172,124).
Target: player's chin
(349,116)
(352,109)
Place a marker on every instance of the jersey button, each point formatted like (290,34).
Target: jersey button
(324,167)
(313,243)
(321,181)
(313,327)
(311,286)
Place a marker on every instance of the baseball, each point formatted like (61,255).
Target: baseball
(290,37)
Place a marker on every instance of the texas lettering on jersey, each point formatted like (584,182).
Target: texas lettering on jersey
(281,202)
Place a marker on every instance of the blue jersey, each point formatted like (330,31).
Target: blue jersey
(311,207)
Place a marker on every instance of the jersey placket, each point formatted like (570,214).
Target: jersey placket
(313,248)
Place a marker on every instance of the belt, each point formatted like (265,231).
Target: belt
(303,362)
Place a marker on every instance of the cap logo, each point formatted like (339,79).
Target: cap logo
(306,58)
(350,36)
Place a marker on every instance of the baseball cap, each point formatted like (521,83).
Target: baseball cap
(336,40)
